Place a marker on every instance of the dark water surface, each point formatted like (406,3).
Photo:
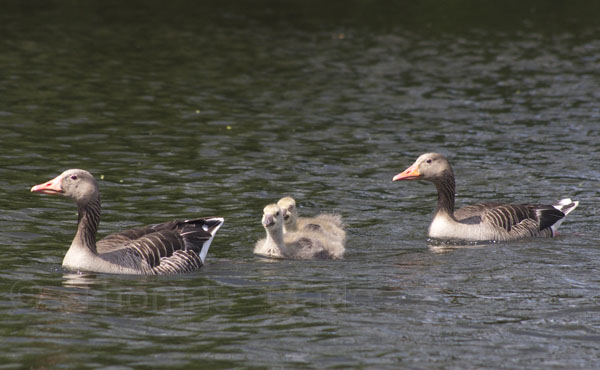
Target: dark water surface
(217,108)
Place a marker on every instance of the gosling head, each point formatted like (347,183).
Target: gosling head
(288,207)
(272,217)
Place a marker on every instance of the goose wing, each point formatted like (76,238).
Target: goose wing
(473,214)
(512,218)
(170,247)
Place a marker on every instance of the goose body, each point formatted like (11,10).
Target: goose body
(330,225)
(172,247)
(303,244)
(485,221)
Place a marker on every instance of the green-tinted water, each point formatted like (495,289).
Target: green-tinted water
(218,108)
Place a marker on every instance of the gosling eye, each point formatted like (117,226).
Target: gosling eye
(429,160)
(277,214)
(73,177)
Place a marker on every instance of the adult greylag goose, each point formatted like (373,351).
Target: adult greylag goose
(304,244)
(330,225)
(168,248)
(485,221)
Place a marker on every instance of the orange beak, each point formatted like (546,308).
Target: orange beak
(51,187)
(411,173)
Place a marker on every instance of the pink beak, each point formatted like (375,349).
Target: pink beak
(268,220)
(51,187)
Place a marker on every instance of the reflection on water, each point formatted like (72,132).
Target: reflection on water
(81,280)
(445,246)
(442,248)
(193,109)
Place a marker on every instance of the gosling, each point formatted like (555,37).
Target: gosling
(303,244)
(330,225)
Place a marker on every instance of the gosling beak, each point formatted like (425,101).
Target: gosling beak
(411,173)
(53,186)
(268,220)
(286,215)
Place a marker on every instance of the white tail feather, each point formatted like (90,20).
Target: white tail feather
(565,206)
(206,244)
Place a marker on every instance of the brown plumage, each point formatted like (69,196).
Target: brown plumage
(485,221)
(168,248)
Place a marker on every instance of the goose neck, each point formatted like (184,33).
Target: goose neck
(87,226)
(446,190)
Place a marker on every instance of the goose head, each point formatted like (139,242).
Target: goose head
(76,184)
(429,166)
(272,217)
(288,207)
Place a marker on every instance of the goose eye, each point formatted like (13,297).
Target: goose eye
(73,177)
(429,160)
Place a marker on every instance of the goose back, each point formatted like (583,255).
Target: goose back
(172,247)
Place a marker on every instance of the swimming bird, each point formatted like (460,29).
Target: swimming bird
(485,221)
(331,225)
(303,244)
(167,248)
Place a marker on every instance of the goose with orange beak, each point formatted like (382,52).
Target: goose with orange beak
(167,248)
(484,221)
